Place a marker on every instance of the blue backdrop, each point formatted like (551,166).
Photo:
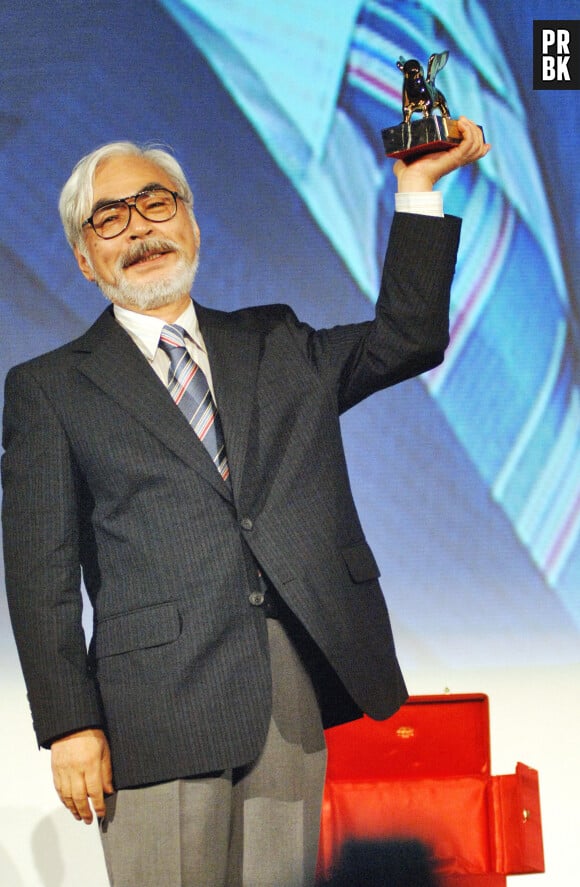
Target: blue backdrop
(468,479)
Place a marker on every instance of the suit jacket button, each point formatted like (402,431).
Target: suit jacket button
(246,523)
(256,599)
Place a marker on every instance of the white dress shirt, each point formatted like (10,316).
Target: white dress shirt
(146,330)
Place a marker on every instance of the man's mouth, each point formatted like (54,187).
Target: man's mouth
(148,258)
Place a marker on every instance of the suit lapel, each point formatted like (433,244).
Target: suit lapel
(234,355)
(113,362)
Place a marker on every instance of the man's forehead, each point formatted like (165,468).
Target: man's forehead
(122,176)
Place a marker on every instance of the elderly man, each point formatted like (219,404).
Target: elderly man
(188,464)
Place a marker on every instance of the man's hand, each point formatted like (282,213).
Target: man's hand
(421,174)
(81,771)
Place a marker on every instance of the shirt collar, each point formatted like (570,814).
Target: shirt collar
(145,329)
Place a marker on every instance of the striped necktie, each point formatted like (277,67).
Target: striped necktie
(189,389)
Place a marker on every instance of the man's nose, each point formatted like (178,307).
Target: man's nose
(138,226)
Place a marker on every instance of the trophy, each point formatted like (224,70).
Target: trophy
(413,138)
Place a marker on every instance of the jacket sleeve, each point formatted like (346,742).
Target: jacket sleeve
(41,530)
(410,330)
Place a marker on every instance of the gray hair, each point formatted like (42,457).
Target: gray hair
(76,197)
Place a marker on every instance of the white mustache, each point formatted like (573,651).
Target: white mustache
(142,249)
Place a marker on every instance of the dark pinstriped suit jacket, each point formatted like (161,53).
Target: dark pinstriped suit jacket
(102,474)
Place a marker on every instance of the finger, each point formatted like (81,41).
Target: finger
(107,772)
(398,166)
(72,792)
(97,798)
(70,803)
(70,806)
(471,138)
(99,783)
(80,799)
(473,145)
(64,792)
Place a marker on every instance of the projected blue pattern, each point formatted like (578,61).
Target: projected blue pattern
(273,112)
(508,384)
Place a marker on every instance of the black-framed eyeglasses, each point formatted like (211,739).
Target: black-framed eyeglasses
(153,204)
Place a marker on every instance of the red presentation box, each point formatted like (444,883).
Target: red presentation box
(425,774)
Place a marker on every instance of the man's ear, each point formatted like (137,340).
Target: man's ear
(84,264)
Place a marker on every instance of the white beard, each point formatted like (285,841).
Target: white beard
(156,293)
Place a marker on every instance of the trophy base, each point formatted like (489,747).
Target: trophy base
(407,141)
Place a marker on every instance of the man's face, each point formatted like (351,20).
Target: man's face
(150,264)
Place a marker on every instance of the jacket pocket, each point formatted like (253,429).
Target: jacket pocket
(147,627)
(360,562)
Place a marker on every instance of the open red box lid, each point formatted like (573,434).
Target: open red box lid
(429,736)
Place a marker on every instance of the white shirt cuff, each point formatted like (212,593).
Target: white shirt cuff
(422,203)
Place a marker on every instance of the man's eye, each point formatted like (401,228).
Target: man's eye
(108,215)
(156,201)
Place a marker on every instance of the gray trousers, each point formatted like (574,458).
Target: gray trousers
(254,827)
